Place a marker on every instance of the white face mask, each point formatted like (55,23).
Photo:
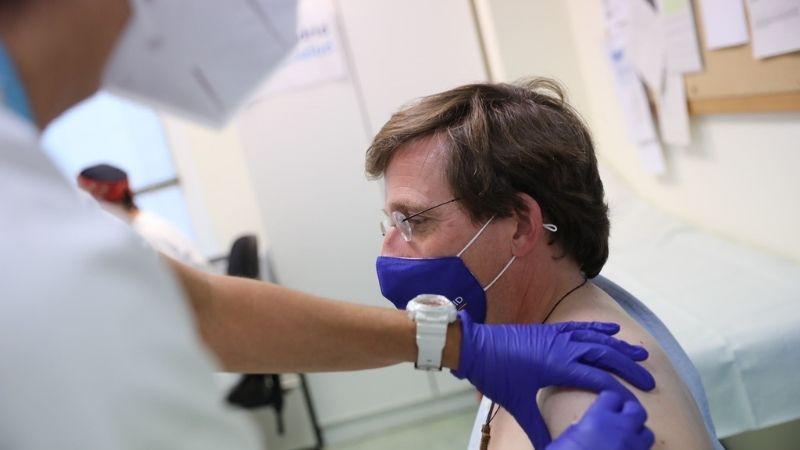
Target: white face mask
(201,58)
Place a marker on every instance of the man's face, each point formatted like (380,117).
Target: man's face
(415,181)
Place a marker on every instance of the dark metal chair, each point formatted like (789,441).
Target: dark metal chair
(263,390)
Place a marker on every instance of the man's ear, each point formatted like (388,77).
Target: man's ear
(530,231)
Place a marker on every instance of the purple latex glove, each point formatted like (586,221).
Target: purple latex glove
(609,424)
(510,363)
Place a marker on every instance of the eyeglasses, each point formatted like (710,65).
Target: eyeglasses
(403,223)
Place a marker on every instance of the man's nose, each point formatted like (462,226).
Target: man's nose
(394,244)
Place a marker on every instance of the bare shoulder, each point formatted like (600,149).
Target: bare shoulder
(673,415)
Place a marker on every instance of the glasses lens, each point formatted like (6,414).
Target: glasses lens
(402,224)
(386,223)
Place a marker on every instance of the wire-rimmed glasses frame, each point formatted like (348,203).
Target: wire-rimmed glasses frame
(399,220)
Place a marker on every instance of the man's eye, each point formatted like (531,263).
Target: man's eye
(420,224)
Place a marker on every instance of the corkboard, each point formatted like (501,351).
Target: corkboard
(733,81)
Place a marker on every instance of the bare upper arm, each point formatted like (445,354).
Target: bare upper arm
(672,412)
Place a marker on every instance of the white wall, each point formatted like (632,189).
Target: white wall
(321,213)
(738,178)
(295,160)
(526,38)
(219,193)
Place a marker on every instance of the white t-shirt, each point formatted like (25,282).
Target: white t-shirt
(97,343)
(167,239)
(480,419)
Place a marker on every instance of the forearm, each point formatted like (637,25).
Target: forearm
(260,327)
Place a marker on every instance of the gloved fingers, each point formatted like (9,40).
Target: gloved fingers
(615,362)
(607,401)
(465,317)
(635,352)
(607,328)
(565,442)
(596,380)
(646,438)
(636,413)
(531,420)
(468,350)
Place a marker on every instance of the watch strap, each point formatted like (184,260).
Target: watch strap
(431,338)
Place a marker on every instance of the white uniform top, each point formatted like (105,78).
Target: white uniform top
(97,345)
(167,239)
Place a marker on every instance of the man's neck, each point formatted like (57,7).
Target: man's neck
(546,286)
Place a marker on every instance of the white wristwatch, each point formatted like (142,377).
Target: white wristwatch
(432,314)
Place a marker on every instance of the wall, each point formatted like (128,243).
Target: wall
(737,179)
(320,211)
(293,166)
(531,38)
(219,192)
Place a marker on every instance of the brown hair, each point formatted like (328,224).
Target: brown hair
(505,139)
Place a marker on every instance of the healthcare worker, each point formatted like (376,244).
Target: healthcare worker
(109,185)
(100,347)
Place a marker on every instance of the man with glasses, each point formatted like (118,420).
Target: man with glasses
(493,200)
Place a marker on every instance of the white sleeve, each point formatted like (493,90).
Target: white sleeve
(167,239)
(97,345)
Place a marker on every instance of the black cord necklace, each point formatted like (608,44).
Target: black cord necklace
(486,429)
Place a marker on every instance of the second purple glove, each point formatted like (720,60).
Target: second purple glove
(609,424)
(510,363)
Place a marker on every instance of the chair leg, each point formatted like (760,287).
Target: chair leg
(312,413)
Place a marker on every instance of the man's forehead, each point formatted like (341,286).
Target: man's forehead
(415,175)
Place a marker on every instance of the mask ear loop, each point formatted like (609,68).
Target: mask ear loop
(548,226)
(508,264)
(475,238)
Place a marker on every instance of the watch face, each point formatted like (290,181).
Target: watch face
(430,300)
(431,308)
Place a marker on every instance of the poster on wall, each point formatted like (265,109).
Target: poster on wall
(318,57)
(636,110)
(680,36)
(775,25)
(628,82)
(724,23)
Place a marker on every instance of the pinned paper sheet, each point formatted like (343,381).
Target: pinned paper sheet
(724,23)
(680,35)
(775,25)
(636,109)
(617,20)
(673,114)
(646,43)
